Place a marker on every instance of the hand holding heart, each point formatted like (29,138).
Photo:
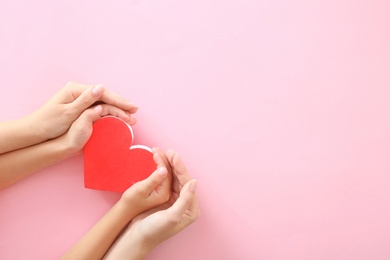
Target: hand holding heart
(152,227)
(143,195)
(153,191)
(57,115)
(57,130)
(62,127)
(70,114)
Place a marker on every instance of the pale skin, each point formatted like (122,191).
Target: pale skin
(57,130)
(152,227)
(154,210)
(165,202)
(143,195)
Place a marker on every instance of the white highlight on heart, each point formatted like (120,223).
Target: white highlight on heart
(139,146)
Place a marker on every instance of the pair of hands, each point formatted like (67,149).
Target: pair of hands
(57,130)
(166,199)
(153,210)
(170,205)
(70,114)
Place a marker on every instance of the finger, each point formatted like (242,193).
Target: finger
(111,98)
(158,159)
(87,98)
(107,97)
(77,88)
(87,118)
(154,180)
(90,115)
(176,187)
(185,202)
(134,120)
(162,156)
(165,186)
(70,92)
(179,171)
(115,111)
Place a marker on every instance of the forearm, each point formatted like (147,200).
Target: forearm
(146,194)
(18,164)
(19,134)
(128,246)
(99,239)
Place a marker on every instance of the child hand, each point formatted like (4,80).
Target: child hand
(152,227)
(56,116)
(143,195)
(153,191)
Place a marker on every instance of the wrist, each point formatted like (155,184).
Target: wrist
(139,252)
(66,148)
(133,250)
(34,127)
(128,209)
(128,246)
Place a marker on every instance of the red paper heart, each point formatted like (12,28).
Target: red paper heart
(110,162)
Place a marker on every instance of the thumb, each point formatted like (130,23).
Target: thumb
(81,129)
(89,116)
(154,180)
(185,200)
(87,98)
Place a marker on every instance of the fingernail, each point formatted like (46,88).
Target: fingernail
(162,171)
(96,90)
(193,185)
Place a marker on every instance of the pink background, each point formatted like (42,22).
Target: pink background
(279,108)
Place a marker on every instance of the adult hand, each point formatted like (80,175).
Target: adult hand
(57,115)
(154,226)
(80,131)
